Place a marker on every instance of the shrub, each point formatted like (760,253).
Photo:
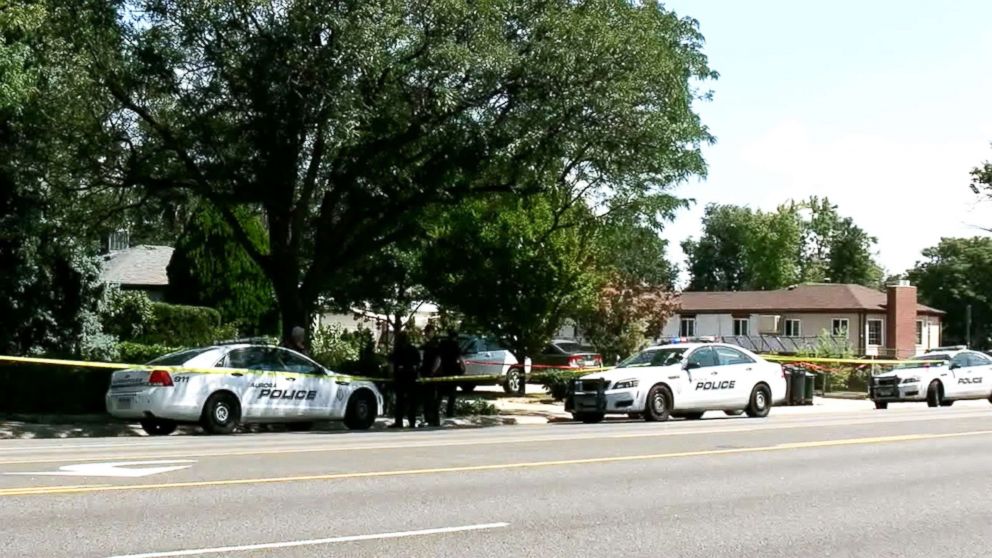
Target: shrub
(139,353)
(555,382)
(174,324)
(474,407)
(338,349)
(126,315)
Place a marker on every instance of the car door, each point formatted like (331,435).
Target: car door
(737,375)
(311,390)
(479,359)
(256,388)
(702,368)
(969,375)
(982,375)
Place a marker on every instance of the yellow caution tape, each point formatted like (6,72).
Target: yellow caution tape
(782,358)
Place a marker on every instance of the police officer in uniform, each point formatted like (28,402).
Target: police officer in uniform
(430,394)
(405,361)
(451,365)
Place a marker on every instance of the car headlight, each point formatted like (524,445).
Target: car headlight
(625,384)
(910,380)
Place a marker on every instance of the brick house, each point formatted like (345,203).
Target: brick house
(871,322)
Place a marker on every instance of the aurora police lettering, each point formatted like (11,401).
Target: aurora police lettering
(729,384)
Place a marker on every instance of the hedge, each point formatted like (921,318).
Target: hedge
(174,324)
(140,353)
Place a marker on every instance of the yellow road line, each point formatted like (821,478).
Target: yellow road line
(46,489)
(831,422)
(35,491)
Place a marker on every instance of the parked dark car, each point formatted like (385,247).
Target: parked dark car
(569,354)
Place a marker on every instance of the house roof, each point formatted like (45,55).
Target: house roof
(809,297)
(142,265)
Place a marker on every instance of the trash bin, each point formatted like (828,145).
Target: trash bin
(797,386)
(808,391)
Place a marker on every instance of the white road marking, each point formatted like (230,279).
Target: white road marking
(315,542)
(118,469)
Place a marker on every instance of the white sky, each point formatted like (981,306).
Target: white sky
(882,106)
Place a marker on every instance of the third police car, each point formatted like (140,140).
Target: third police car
(680,380)
(940,377)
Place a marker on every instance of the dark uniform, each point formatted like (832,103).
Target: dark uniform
(405,359)
(451,365)
(430,394)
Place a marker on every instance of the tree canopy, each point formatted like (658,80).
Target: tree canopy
(345,123)
(809,241)
(954,274)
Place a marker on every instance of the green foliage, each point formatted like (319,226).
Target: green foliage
(126,315)
(953,275)
(210,268)
(191,326)
(746,249)
(556,382)
(337,349)
(506,267)
(141,353)
(828,346)
(267,107)
(474,408)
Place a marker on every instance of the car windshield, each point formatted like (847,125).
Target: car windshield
(180,358)
(937,360)
(654,357)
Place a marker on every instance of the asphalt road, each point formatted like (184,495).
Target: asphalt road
(905,482)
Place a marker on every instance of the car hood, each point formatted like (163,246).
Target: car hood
(907,371)
(624,373)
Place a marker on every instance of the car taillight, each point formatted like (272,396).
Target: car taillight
(574,360)
(160,378)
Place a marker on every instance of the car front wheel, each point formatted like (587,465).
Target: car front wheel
(589,418)
(221,414)
(514,379)
(881,405)
(935,394)
(659,404)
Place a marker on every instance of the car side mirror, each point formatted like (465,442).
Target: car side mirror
(954,366)
(692,365)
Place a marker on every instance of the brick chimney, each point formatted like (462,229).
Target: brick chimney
(900,320)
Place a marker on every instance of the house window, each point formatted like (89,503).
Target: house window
(688,327)
(793,328)
(919,332)
(742,326)
(840,327)
(875,333)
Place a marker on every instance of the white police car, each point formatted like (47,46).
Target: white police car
(266,384)
(948,374)
(680,380)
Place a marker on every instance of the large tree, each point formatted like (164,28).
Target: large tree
(953,275)
(343,122)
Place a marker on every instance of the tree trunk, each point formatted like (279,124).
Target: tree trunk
(294,309)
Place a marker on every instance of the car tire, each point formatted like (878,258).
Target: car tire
(658,407)
(881,405)
(734,413)
(514,381)
(590,418)
(467,388)
(158,427)
(300,426)
(760,403)
(693,416)
(221,414)
(935,394)
(361,413)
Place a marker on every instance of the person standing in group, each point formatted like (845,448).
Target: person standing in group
(296,340)
(452,364)
(430,394)
(405,362)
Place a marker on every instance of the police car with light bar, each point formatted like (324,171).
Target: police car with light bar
(945,375)
(681,380)
(264,384)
